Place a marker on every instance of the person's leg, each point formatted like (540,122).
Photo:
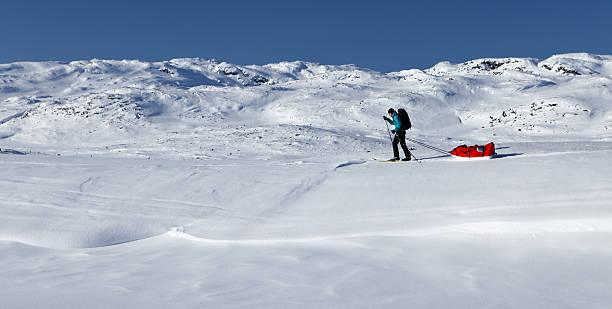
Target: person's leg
(396,140)
(402,141)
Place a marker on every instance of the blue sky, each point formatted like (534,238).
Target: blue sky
(381,35)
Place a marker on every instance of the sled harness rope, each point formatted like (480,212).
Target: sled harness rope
(428,146)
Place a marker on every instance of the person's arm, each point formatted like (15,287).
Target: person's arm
(390,121)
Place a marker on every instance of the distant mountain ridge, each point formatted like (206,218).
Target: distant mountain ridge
(189,105)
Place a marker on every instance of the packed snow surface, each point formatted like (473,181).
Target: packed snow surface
(194,183)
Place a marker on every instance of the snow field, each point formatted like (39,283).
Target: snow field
(309,233)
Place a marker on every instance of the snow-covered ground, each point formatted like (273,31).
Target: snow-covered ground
(200,184)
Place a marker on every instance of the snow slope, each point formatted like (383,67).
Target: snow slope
(195,105)
(194,183)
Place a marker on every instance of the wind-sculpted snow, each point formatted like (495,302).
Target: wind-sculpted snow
(64,237)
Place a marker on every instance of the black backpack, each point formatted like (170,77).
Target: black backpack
(404,119)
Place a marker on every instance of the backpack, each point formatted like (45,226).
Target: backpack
(404,119)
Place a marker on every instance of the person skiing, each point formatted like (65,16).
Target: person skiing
(400,135)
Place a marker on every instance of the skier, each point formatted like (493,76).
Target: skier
(400,135)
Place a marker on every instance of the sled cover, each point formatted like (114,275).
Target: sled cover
(475,151)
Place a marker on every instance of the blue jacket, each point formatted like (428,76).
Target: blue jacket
(396,122)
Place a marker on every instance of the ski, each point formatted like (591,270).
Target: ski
(398,161)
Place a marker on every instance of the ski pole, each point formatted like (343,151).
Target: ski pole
(415,158)
(390,139)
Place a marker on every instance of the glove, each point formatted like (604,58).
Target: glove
(393,131)
(386,118)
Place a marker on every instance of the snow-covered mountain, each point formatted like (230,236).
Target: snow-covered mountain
(194,183)
(190,106)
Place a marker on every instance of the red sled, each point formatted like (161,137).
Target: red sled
(475,151)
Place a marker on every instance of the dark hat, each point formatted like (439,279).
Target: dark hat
(391,111)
